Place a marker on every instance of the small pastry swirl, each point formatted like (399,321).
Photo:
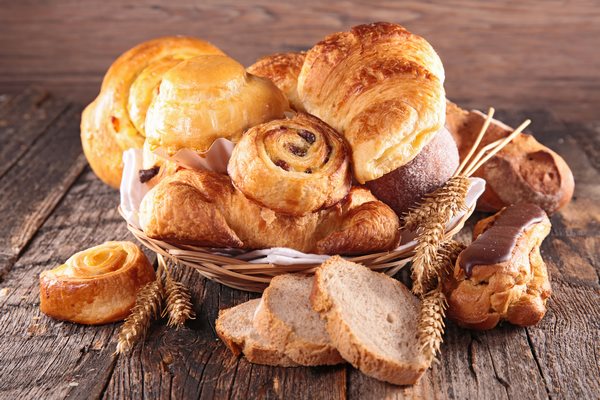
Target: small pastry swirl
(95,286)
(293,166)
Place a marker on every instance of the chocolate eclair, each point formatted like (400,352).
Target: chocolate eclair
(501,275)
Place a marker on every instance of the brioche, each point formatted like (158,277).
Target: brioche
(371,320)
(114,121)
(283,70)
(203,208)
(234,327)
(295,166)
(501,275)
(206,98)
(523,171)
(97,285)
(286,318)
(382,87)
(404,187)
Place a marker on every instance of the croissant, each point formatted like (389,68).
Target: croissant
(209,97)
(283,70)
(295,165)
(204,208)
(382,87)
(95,286)
(115,120)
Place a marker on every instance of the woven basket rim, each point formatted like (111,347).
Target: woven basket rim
(255,277)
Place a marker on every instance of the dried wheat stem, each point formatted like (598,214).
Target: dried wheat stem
(480,136)
(179,304)
(431,322)
(147,307)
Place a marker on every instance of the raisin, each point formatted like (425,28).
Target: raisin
(147,174)
(298,151)
(282,164)
(308,136)
(308,171)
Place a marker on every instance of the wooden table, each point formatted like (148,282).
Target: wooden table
(52,205)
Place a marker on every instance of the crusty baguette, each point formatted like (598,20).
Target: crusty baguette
(524,170)
(234,327)
(287,319)
(371,320)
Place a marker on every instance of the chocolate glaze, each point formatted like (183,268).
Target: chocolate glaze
(496,244)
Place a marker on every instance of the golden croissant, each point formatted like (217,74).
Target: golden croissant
(204,208)
(382,87)
(97,285)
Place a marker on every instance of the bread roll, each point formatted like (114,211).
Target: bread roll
(203,208)
(382,87)
(114,121)
(404,187)
(501,275)
(95,286)
(293,166)
(206,98)
(283,69)
(524,170)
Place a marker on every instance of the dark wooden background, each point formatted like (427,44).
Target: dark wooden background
(537,59)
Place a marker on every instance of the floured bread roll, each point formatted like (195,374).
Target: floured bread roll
(404,187)
(97,285)
(283,69)
(293,166)
(209,97)
(382,87)
(115,120)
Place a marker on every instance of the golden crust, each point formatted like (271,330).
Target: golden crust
(382,87)
(293,166)
(206,98)
(515,290)
(113,122)
(95,286)
(283,69)
(204,208)
(524,170)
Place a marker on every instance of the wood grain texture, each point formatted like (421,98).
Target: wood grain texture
(513,55)
(43,358)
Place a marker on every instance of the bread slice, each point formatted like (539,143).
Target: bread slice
(371,319)
(286,318)
(234,327)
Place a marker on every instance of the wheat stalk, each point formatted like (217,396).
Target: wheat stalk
(147,308)
(431,322)
(179,305)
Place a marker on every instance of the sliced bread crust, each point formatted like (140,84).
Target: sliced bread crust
(371,319)
(234,327)
(286,318)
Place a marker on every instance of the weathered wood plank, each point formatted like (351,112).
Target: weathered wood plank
(40,357)
(23,120)
(503,53)
(191,362)
(33,186)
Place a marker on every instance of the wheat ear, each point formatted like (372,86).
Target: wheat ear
(179,304)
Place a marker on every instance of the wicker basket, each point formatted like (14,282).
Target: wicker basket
(255,277)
